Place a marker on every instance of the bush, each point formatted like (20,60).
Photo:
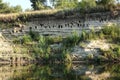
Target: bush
(112,54)
(22,40)
(112,32)
(42,49)
(65,56)
(16,41)
(71,40)
(25,39)
(52,40)
(34,35)
(83,35)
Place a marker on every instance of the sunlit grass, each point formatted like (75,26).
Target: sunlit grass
(14,16)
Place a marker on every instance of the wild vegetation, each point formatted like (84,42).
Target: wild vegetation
(81,8)
(40,46)
(6,8)
(83,4)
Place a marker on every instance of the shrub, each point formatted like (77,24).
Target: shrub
(83,35)
(82,44)
(71,40)
(42,49)
(101,35)
(112,54)
(16,41)
(51,40)
(66,56)
(34,35)
(25,39)
(22,40)
(90,56)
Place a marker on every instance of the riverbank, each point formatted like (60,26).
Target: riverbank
(85,44)
(93,45)
(98,46)
(10,53)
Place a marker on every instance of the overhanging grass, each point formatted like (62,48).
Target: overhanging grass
(26,15)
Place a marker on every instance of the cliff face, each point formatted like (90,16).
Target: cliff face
(8,54)
(55,25)
(57,22)
(65,25)
(5,47)
(62,27)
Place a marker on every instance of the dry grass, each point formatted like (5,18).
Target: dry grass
(31,13)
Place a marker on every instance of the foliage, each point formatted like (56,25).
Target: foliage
(13,18)
(26,39)
(66,4)
(86,4)
(22,40)
(112,32)
(66,56)
(71,40)
(106,2)
(28,10)
(42,49)
(112,54)
(83,35)
(5,8)
(34,35)
(52,40)
(16,9)
(108,32)
(38,4)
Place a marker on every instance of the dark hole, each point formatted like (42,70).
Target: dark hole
(30,28)
(35,27)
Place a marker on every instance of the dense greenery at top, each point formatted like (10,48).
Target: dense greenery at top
(62,9)
(5,8)
(40,4)
(62,4)
(83,4)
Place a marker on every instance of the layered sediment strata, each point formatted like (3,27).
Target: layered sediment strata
(7,54)
(66,25)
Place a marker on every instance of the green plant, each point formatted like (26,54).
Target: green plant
(16,41)
(25,39)
(72,40)
(83,35)
(42,49)
(66,56)
(101,35)
(22,40)
(82,44)
(90,56)
(112,54)
(52,40)
(34,35)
